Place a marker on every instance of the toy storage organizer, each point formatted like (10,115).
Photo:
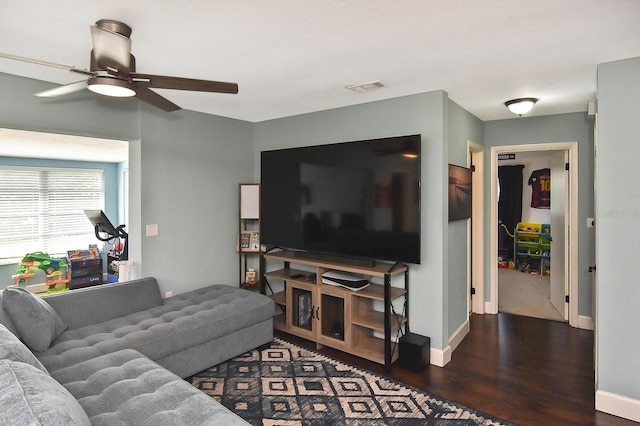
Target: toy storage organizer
(86,268)
(532,248)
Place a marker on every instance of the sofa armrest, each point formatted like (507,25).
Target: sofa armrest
(94,305)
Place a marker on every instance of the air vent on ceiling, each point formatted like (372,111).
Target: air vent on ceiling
(366,87)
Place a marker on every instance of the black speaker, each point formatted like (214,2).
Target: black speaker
(414,352)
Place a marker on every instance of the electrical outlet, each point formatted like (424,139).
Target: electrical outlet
(168,294)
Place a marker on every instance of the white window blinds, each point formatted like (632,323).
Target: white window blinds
(42,209)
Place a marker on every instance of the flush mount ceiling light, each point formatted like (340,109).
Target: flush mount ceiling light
(111,86)
(521,105)
(365,87)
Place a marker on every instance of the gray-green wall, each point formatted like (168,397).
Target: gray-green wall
(576,127)
(185,168)
(191,166)
(618,230)
(462,128)
(431,311)
(184,173)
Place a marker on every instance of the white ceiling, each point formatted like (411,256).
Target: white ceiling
(291,56)
(22,143)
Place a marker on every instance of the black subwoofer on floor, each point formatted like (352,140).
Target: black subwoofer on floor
(414,352)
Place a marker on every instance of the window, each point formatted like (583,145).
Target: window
(42,209)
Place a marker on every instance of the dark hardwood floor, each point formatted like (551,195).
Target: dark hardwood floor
(524,370)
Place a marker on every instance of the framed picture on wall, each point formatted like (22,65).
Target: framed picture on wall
(459,192)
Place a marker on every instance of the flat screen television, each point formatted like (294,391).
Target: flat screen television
(357,199)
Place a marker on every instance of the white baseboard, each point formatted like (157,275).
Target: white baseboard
(458,336)
(585,322)
(440,357)
(618,405)
(490,308)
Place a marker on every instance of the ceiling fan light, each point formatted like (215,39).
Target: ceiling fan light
(111,86)
(521,105)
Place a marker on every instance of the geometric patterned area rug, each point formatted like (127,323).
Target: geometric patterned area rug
(286,384)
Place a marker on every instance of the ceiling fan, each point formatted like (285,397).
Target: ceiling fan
(112,71)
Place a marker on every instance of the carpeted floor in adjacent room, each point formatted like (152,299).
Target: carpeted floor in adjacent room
(521,293)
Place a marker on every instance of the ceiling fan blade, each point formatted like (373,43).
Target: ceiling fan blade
(110,48)
(63,90)
(179,83)
(46,63)
(151,97)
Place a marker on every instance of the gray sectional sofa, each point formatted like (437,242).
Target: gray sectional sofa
(116,354)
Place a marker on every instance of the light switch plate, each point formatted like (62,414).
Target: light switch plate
(152,230)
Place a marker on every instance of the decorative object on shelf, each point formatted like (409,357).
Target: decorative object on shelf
(254,241)
(245,238)
(521,105)
(250,201)
(251,276)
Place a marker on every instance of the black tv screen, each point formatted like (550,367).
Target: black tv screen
(354,199)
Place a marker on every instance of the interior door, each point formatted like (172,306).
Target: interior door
(559,238)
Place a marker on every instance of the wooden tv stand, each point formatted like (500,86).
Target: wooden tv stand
(335,316)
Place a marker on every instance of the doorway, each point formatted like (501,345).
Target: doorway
(525,268)
(563,280)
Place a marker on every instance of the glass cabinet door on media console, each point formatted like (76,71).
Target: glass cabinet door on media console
(302,299)
(358,322)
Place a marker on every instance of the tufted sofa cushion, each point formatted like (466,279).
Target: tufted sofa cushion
(13,349)
(181,322)
(29,396)
(124,388)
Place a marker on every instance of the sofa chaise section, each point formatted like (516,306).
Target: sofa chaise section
(125,388)
(186,333)
(116,354)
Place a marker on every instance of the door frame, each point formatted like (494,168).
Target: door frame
(570,225)
(475,274)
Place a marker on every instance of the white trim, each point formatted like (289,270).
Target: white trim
(440,357)
(573,224)
(477,231)
(618,405)
(489,308)
(586,322)
(459,335)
